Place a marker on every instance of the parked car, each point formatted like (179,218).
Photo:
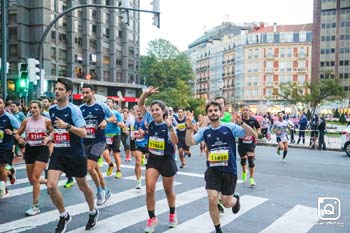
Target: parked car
(345,140)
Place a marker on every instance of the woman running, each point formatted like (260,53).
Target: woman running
(37,129)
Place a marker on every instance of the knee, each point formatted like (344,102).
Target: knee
(251,161)
(51,186)
(244,160)
(213,199)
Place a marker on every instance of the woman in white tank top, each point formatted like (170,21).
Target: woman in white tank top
(37,129)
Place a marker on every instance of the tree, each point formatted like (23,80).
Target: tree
(336,114)
(342,118)
(292,93)
(162,49)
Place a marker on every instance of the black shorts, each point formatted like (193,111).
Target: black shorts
(244,148)
(182,143)
(142,149)
(36,153)
(132,145)
(76,167)
(93,151)
(220,181)
(126,141)
(115,147)
(6,156)
(166,166)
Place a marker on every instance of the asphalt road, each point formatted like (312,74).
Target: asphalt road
(286,199)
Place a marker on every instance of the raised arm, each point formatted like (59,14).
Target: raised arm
(141,103)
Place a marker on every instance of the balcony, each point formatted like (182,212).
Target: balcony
(269,56)
(301,70)
(269,70)
(301,55)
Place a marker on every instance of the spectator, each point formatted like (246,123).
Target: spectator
(314,131)
(302,127)
(322,129)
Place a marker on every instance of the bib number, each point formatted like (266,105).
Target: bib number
(181,126)
(1,135)
(91,131)
(109,139)
(36,138)
(156,146)
(61,138)
(248,140)
(218,158)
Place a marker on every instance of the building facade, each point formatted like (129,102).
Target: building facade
(87,45)
(331,41)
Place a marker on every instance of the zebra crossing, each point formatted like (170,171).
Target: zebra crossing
(126,211)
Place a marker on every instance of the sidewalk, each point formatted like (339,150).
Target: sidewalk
(332,143)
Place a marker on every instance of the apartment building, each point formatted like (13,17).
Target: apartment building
(87,45)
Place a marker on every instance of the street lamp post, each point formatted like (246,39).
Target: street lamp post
(4,34)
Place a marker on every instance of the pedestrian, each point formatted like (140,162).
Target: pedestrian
(161,162)
(68,154)
(322,129)
(36,156)
(96,115)
(221,173)
(302,128)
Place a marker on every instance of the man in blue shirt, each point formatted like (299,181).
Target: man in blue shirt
(221,174)
(68,154)
(96,115)
(8,124)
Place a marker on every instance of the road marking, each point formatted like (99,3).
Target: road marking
(127,219)
(28,223)
(300,218)
(204,224)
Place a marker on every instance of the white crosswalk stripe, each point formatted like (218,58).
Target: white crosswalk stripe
(300,218)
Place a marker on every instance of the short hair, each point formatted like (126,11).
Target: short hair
(160,103)
(15,103)
(68,84)
(220,97)
(45,98)
(36,102)
(212,103)
(92,87)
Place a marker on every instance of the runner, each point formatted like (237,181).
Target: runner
(37,151)
(68,155)
(96,115)
(8,125)
(221,173)
(113,141)
(125,135)
(180,119)
(246,147)
(161,143)
(280,127)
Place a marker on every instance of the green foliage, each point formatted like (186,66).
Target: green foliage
(165,67)
(342,118)
(291,92)
(309,114)
(336,114)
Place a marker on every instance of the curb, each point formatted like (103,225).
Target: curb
(296,146)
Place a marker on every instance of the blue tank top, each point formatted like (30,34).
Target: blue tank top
(140,124)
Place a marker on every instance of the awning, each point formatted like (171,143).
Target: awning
(116,98)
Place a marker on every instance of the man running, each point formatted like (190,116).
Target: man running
(221,173)
(8,126)
(68,154)
(246,146)
(96,115)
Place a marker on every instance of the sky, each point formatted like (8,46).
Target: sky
(183,21)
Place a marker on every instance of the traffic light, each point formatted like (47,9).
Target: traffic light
(22,77)
(156,12)
(33,70)
(125,13)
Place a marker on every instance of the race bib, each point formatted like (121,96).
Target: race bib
(1,135)
(156,146)
(109,139)
(248,140)
(90,131)
(181,126)
(35,137)
(218,158)
(61,138)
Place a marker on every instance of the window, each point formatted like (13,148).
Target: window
(282,52)
(269,80)
(78,57)
(93,44)
(53,53)
(53,69)
(302,36)
(62,55)
(269,38)
(53,36)
(106,60)
(301,64)
(12,33)
(62,70)
(301,79)
(13,50)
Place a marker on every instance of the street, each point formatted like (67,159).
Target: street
(285,199)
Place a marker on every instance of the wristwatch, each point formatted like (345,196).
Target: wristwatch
(69,126)
(240,123)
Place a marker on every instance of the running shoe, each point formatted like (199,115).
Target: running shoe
(118,175)
(278,151)
(92,220)
(12,176)
(252,182)
(172,220)
(151,225)
(127,158)
(33,210)
(62,224)
(237,206)
(138,185)
(101,197)
(2,189)
(244,176)
(100,161)
(284,160)
(108,195)
(110,170)
(221,207)
(69,183)
(183,166)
